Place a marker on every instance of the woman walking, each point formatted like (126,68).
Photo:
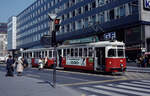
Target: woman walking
(20,67)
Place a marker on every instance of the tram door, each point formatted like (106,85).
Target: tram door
(100,54)
(59,56)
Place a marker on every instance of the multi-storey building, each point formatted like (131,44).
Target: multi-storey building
(11,33)
(124,20)
(3,40)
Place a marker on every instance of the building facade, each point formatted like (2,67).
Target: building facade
(11,33)
(3,40)
(123,20)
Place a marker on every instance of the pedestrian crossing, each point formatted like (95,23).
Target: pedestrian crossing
(133,75)
(132,88)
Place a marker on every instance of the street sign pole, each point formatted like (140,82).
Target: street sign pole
(52,18)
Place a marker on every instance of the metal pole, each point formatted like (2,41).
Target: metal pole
(55,54)
(54,67)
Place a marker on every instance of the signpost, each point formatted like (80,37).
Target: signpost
(55,27)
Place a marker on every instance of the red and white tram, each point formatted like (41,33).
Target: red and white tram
(104,56)
(33,55)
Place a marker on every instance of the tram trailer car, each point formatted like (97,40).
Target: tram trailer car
(34,55)
(105,56)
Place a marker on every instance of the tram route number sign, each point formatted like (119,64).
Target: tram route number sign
(76,61)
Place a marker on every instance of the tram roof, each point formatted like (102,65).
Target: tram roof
(96,44)
(38,49)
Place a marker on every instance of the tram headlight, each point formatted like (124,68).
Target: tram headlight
(121,60)
(110,62)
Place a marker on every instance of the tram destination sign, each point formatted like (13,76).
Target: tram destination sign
(146,4)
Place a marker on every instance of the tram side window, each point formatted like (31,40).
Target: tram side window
(34,54)
(72,51)
(76,52)
(85,51)
(80,51)
(120,53)
(90,52)
(112,53)
(42,53)
(64,52)
(45,53)
(50,53)
(68,52)
(39,54)
(30,54)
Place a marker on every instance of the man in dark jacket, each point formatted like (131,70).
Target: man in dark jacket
(9,66)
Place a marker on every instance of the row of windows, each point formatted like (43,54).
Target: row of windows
(33,30)
(29,15)
(31,38)
(102,17)
(38,54)
(76,52)
(27,20)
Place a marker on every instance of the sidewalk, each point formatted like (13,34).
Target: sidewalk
(25,86)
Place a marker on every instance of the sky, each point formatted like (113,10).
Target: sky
(10,8)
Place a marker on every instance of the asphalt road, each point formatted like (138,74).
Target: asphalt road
(95,84)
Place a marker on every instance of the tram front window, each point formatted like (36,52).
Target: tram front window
(120,53)
(112,53)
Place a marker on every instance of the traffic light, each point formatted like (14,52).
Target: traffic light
(57,24)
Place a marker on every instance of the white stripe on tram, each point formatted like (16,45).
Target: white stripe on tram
(139,85)
(101,91)
(129,87)
(122,90)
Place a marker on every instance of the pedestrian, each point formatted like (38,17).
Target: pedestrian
(25,63)
(139,61)
(20,67)
(40,63)
(9,66)
(145,61)
(60,60)
(46,62)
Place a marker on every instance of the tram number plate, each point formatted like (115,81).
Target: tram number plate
(76,61)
